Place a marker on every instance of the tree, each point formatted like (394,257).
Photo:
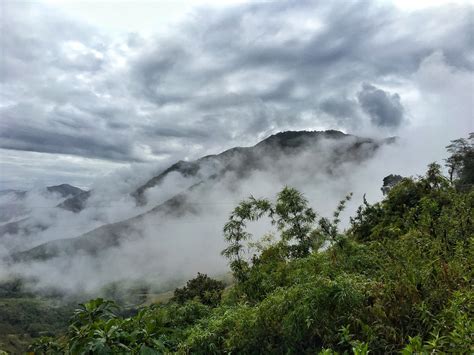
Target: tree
(290,213)
(433,176)
(389,182)
(235,233)
(295,221)
(206,290)
(460,163)
(329,229)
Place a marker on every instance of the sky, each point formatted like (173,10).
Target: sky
(89,87)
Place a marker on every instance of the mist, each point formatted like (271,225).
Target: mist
(126,107)
(160,248)
(165,248)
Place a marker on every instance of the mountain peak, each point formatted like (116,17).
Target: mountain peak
(65,190)
(293,139)
(296,134)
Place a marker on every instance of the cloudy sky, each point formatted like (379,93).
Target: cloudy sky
(89,87)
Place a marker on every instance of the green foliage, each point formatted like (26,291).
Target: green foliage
(94,310)
(461,161)
(23,317)
(45,345)
(202,288)
(389,182)
(290,213)
(294,220)
(400,280)
(427,204)
(235,233)
(329,228)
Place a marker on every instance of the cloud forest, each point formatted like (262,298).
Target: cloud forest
(245,177)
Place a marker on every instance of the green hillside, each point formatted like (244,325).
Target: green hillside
(400,279)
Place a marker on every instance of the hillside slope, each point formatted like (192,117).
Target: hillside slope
(238,162)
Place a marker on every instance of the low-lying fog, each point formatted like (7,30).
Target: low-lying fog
(176,248)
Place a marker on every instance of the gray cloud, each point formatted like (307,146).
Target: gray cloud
(384,109)
(341,108)
(67,132)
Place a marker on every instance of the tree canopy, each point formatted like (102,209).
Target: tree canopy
(460,163)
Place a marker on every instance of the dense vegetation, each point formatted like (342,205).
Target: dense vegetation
(400,279)
(24,316)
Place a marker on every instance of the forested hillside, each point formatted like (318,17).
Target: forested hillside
(400,279)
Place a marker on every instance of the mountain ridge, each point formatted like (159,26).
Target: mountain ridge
(241,161)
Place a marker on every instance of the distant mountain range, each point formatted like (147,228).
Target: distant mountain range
(15,207)
(205,173)
(14,193)
(64,190)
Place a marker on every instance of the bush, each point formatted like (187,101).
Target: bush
(202,288)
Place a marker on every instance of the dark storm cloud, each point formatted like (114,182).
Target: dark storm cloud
(38,140)
(21,128)
(223,77)
(384,109)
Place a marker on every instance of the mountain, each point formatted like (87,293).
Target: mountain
(13,193)
(206,172)
(242,160)
(239,159)
(17,210)
(65,190)
(23,225)
(105,237)
(75,203)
